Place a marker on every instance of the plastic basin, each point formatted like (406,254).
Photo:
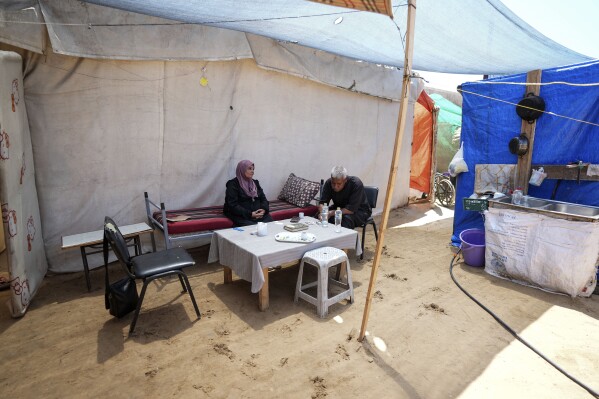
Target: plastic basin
(473,247)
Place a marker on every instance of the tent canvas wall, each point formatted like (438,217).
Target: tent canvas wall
(489,121)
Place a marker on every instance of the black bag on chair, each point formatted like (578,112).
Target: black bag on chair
(120,297)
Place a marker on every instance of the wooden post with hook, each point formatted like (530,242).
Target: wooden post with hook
(528,129)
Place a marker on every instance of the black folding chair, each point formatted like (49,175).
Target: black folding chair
(149,267)
(372,194)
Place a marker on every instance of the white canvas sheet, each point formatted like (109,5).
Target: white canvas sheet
(106,131)
(124,35)
(543,252)
(454,36)
(320,66)
(488,39)
(18,196)
(22,24)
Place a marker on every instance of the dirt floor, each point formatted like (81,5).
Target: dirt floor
(426,339)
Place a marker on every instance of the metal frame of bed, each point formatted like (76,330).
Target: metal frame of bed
(169,239)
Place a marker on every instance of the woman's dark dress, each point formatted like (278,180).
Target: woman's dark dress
(239,206)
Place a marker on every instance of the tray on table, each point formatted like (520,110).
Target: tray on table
(286,236)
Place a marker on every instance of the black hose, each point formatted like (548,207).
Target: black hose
(515,334)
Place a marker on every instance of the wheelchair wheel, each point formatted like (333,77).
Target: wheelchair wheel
(438,178)
(445,192)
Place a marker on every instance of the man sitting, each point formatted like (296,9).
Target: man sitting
(347,193)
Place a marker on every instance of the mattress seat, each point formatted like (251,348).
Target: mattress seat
(212,218)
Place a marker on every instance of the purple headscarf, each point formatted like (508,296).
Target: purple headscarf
(247,185)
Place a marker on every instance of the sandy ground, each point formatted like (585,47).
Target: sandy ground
(425,339)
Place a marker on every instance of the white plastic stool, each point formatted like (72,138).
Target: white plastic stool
(324,258)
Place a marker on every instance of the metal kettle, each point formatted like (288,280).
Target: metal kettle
(530,107)
(519,145)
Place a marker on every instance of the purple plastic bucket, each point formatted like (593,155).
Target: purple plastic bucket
(473,247)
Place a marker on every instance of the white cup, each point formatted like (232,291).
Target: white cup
(301,215)
(262,229)
(304,236)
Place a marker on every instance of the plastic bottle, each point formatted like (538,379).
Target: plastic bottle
(324,216)
(517,196)
(338,217)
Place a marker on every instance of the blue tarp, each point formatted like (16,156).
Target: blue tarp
(489,124)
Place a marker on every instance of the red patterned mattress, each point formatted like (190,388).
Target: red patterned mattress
(280,210)
(212,218)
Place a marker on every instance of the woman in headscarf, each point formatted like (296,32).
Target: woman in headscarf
(245,202)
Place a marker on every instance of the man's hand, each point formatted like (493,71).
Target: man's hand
(330,214)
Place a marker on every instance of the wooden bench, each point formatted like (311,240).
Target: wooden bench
(94,240)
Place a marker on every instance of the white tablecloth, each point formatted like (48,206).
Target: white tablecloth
(247,254)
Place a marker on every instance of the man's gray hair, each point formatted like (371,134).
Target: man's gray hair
(338,172)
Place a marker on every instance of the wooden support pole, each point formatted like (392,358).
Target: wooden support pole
(525,161)
(432,194)
(399,133)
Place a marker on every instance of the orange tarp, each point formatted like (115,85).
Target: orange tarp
(422,144)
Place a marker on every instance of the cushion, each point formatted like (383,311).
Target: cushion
(298,191)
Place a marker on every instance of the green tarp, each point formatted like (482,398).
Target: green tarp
(449,124)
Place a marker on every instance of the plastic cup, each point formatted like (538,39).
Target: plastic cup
(262,229)
(301,215)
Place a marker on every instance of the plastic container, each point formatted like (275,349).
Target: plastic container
(324,216)
(473,247)
(517,197)
(338,218)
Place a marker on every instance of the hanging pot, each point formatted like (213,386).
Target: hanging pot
(530,107)
(519,145)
